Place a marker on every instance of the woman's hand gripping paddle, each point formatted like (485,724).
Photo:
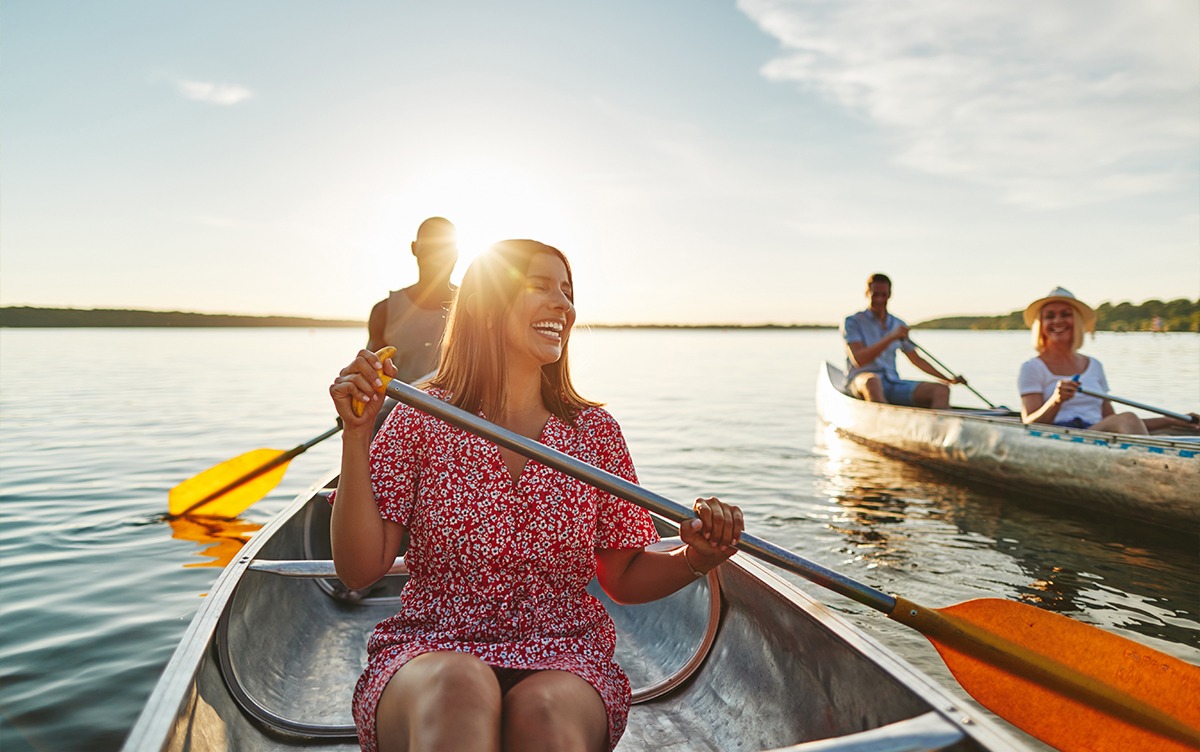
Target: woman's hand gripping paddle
(357,405)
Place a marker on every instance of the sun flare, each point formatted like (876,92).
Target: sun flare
(486,203)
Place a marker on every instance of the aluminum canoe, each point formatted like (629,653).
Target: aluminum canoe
(741,660)
(1154,479)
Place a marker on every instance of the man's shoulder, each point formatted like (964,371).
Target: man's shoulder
(855,320)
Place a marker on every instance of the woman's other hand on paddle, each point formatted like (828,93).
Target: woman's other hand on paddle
(1064,390)
(360,381)
(714,534)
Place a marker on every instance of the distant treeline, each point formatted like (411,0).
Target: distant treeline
(1180,315)
(710,326)
(67,318)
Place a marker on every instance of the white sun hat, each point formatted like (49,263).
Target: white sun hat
(1062,295)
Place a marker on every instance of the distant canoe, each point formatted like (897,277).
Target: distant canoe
(740,660)
(1150,478)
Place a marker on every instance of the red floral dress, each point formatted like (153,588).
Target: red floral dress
(498,569)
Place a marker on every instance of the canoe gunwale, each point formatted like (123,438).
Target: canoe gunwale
(168,702)
(928,732)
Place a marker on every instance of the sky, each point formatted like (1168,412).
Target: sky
(698,161)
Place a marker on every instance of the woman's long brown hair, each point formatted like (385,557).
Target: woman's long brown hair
(472,367)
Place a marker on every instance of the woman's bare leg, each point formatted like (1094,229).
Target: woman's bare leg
(554,710)
(1122,423)
(440,702)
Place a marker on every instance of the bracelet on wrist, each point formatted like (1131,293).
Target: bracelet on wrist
(695,572)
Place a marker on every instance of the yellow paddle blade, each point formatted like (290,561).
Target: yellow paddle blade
(231,487)
(1072,685)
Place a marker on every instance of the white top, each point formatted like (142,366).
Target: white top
(1036,378)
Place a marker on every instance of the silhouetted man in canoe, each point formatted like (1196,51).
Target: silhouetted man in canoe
(413,319)
(872,338)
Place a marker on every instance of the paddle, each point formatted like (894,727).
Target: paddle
(229,488)
(954,375)
(1132,403)
(1069,684)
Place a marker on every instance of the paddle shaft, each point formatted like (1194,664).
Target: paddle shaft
(942,365)
(1134,403)
(605,481)
(979,642)
(262,469)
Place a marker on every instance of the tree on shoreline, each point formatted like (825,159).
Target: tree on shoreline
(1180,315)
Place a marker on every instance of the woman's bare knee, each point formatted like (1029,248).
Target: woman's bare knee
(440,701)
(554,710)
(1122,423)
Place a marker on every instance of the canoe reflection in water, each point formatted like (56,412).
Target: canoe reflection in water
(954,540)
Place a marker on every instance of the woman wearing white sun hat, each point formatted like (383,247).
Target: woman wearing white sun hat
(1049,383)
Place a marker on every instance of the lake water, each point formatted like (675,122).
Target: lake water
(97,424)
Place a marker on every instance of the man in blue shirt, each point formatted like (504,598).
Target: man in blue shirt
(872,338)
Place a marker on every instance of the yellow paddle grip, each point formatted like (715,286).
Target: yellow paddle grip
(383,353)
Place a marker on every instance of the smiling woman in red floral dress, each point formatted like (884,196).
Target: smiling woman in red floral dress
(497,644)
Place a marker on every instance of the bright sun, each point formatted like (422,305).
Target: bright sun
(486,203)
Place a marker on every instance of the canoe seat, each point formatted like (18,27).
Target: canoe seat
(655,668)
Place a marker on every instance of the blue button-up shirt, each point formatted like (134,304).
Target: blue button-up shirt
(864,327)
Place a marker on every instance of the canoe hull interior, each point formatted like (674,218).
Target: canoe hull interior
(1150,478)
(270,663)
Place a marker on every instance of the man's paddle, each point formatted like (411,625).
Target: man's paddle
(1132,403)
(1071,685)
(229,488)
(954,375)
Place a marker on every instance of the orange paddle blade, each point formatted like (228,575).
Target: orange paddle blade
(1072,685)
(231,487)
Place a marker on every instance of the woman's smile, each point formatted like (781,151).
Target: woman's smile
(552,330)
(540,319)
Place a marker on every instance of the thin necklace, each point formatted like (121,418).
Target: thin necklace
(524,410)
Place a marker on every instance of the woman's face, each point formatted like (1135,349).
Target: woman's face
(1058,323)
(539,321)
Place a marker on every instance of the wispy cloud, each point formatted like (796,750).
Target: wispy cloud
(225,95)
(1051,103)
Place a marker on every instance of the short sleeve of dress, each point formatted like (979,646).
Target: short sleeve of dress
(619,523)
(396,464)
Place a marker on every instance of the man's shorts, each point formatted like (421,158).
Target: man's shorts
(895,391)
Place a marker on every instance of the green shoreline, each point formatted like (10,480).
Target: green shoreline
(1153,315)
(71,318)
